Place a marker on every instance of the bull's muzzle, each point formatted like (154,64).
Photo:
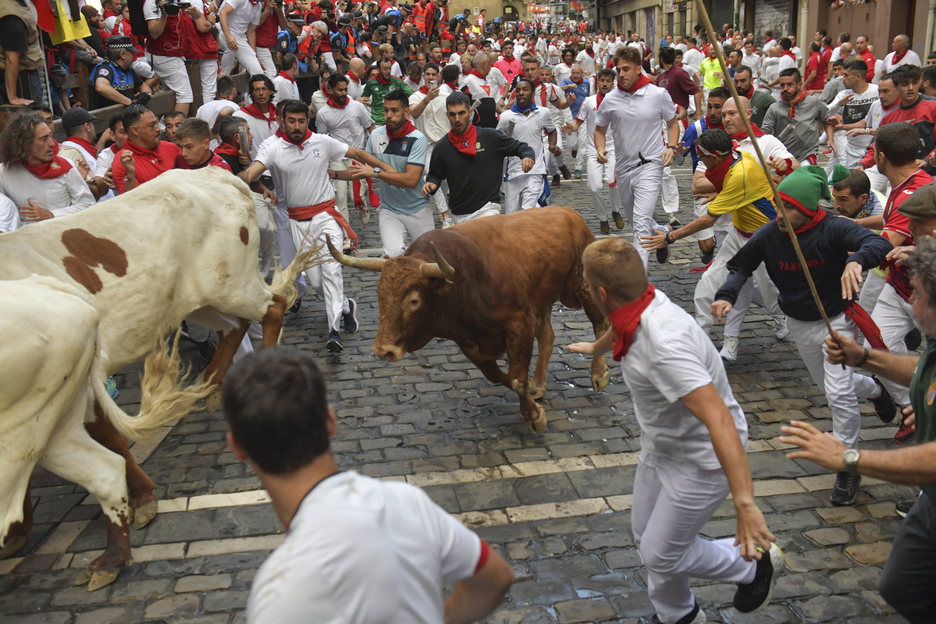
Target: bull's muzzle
(389,352)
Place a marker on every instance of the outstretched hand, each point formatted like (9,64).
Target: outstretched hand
(751,531)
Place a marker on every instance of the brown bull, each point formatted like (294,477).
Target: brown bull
(489,285)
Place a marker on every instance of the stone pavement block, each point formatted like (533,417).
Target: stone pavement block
(772,614)
(800,585)
(559,568)
(184,604)
(545,488)
(79,596)
(580,507)
(829,537)
(603,481)
(139,591)
(877,602)
(824,559)
(225,600)
(856,579)
(879,511)
(636,604)
(489,495)
(841,515)
(124,614)
(540,592)
(202,583)
(876,531)
(715,595)
(526,615)
(868,554)
(49,617)
(584,610)
(825,608)
(625,558)
(444,496)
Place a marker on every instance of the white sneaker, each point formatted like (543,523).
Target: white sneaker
(447,223)
(782,332)
(729,350)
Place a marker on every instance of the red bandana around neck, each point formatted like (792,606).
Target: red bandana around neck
(115,149)
(227,150)
(453,85)
(740,136)
(475,72)
(600,99)
(898,56)
(54,168)
(578,82)
(334,104)
(88,145)
(638,84)
(717,175)
(769,39)
(788,53)
(380,79)
(590,52)
(815,217)
(749,94)
(423,89)
(353,77)
(465,143)
(625,320)
(796,100)
(253,111)
(406,129)
(285,75)
(710,126)
(288,139)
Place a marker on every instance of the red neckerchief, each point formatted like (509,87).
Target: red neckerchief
(475,72)
(452,85)
(868,327)
(52,169)
(334,104)
(590,52)
(227,150)
(788,53)
(749,94)
(815,217)
(740,136)
(638,84)
(717,175)
(796,100)
(108,12)
(769,39)
(710,126)
(898,56)
(406,129)
(601,98)
(353,77)
(694,48)
(88,145)
(465,143)
(380,79)
(625,320)
(253,111)
(579,81)
(288,139)
(285,75)
(424,90)
(115,149)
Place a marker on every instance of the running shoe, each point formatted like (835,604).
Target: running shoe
(708,256)
(781,330)
(674,220)
(111,386)
(884,404)
(334,343)
(619,221)
(729,350)
(447,222)
(756,594)
(696,616)
(578,174)
(904,434)
(296,306)
(605,227)
(350,319)
(903,507)
(566,174)
(555,180)
(845,490)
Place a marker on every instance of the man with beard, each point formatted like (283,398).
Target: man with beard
(797,118)
(760,99)
(380,85)
(299,161)
(260,115)
(144,156)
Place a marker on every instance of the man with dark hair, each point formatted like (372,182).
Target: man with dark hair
(194,138)
(105,159)
(40,183)
(346,531)
(834,82)
(837,251)
(471,159)
(215,111)
(847,112)
(144,156)
(380,85)
(285,82)
(796,118)
(815,70)
(760,99)
(929,81)
(229,148)
(171,121)
(299,160)
(260,114)
(677,82)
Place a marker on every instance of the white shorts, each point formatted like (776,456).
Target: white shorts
(171,71)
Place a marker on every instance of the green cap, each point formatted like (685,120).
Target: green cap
(806,187)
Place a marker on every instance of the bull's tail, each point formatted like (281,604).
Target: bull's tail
(283,282)
(164,400)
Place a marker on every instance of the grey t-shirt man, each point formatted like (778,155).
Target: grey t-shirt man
(802,139)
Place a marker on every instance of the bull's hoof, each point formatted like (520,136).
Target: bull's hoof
(538,424)
(96,579)
(536,392)
(144,514)
(12,546)
(600,382)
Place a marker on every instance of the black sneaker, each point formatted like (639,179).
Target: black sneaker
(845,490)
(566,174)
(913,339)
(756,594)
(334,342)
(903,507)
(904,434)
(708,256)
(605,227)
(350,319)
(696,616)
(207,349)
(619,221)
(295,307)
(884,404)
(555,180)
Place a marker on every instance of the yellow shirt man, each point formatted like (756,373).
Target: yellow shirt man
(745,193)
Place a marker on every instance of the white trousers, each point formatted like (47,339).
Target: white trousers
(554,162)
(266,221)
(670,192)
(842,387)
(172,73)
(699,209)
(894,317)
(523,192)
(208,71)
(598,175)
(325,278)
(341,187)
(287,249)
(265,56)
(750,292)
(672,502)
(715,277)
(394,226)
(871,291)
(841,146)
(487,210)
(582,147)
(879,181)
(244,55)
(441,196)
(639,189)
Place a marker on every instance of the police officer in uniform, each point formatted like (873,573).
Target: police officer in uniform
(114,80)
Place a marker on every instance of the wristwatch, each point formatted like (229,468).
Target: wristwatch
(672,147)
(851,457)
(377,171)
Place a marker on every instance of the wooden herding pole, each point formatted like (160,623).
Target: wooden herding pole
(713,41)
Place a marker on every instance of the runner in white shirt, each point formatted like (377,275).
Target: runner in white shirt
(751,60)
(105,159)
(693,58)
(635,111)
(224,106)
(596,172)
(356,73)
(348,121)
(300,160)
(850,108)
(526,122)
(693,442)
(239,19)
(902,55)
(285,81)
(427,108)
(9,215)
(888,100)
(357,550)
(261,112)
(587,61)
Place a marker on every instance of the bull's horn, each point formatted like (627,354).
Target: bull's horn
(369,264)
(440,268)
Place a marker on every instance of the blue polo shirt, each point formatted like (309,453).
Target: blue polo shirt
(581,92)
(407,150)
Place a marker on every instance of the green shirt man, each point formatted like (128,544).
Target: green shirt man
(378,87)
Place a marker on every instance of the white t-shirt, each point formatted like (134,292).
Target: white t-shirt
(910,58)
(786,63)
(348,125)
(561,72)
(752,61)
(355,89)
(670,357)
(587,114)
(528,129)
(552,55)
(209,111)
(362,551)
(286,89)
(586,61)
(104,161)
(768,45)
(856,110)
(243,14)
(636,122)
(693,58)
(9,215)
(798,53)
(66,194)
(496,79)
(433,122)
(303,173)
(396,71)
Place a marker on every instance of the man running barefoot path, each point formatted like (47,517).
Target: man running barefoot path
(693,439)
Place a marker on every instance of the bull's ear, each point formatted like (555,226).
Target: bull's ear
(439,286)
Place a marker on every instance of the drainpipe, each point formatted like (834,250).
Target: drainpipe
(930,22)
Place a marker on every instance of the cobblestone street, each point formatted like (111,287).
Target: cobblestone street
(555,504)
